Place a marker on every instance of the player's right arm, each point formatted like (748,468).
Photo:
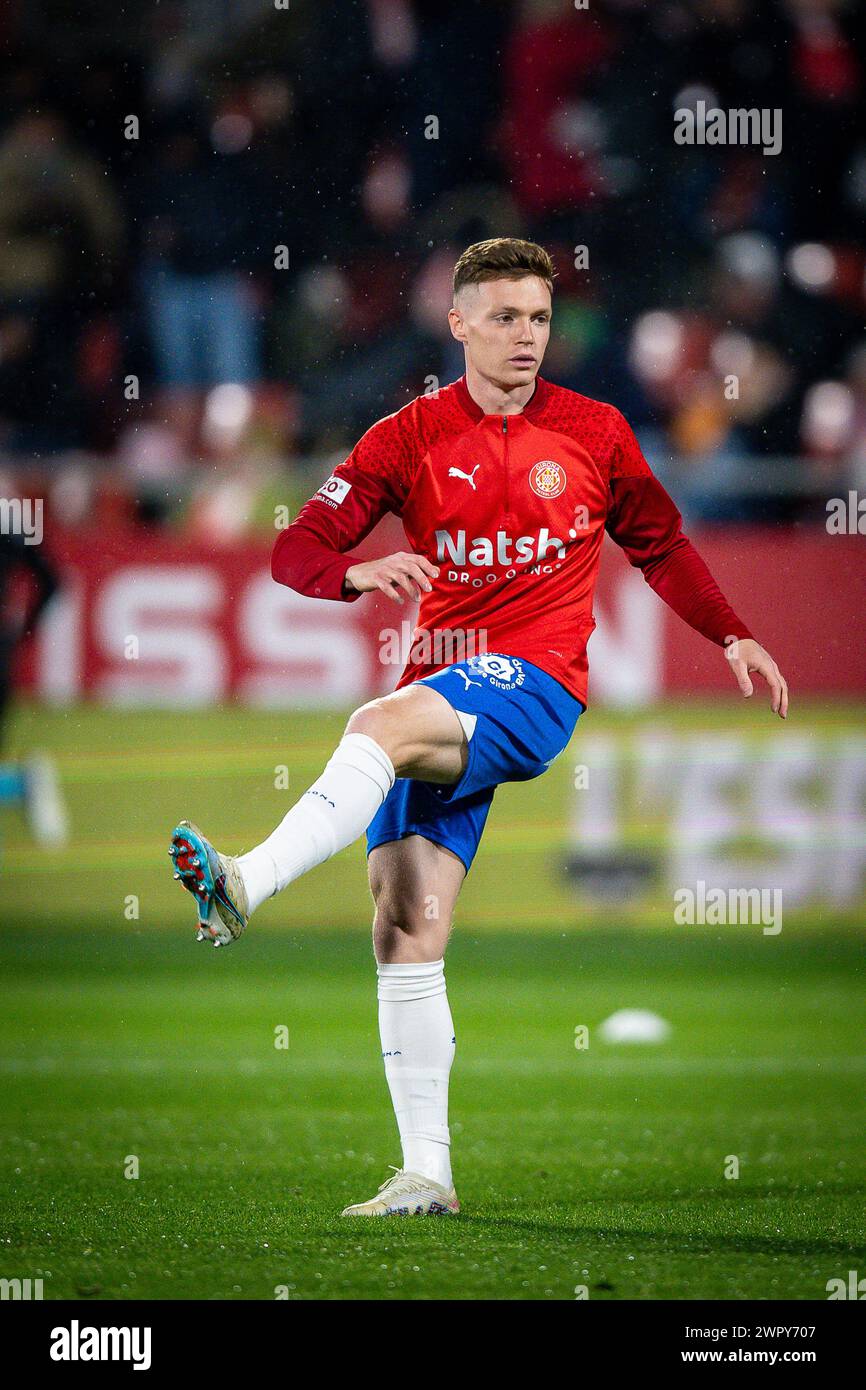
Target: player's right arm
(313,554)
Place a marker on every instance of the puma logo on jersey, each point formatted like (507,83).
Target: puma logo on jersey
(458,672)
(467,477)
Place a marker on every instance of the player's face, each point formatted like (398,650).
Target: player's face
(504,325)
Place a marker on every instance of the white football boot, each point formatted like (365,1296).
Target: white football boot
(215,882)
(408,1194)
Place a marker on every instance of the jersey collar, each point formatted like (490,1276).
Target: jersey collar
(472,408)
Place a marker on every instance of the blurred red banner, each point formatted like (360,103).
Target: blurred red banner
(146,618)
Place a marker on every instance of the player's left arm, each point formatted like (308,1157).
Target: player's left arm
(644,520)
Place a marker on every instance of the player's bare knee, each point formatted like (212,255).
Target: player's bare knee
(403,926)
(390,937)
(396,911)
(389,721)
(402,941)
(376,720)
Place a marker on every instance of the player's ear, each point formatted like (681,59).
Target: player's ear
(455,322)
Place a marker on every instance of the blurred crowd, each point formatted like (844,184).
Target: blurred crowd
(227,232)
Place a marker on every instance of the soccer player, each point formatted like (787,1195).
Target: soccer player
(33,784)
(505,485)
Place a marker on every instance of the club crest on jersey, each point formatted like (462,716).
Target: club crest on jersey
(334,490)
(505,672)
(547,479)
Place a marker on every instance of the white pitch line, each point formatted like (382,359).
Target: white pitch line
(289,1063)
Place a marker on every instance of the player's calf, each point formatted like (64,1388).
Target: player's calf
(415,883)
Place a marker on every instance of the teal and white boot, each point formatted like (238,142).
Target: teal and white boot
(215,882)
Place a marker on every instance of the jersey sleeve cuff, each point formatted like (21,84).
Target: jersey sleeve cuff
(332,584)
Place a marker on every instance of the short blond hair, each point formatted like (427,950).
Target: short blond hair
(503,258)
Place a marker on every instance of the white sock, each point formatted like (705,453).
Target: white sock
(332,813)
(418,1048)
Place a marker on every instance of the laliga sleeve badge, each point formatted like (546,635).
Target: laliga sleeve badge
(334,490)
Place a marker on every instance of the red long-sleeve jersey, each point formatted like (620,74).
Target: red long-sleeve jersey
(512,509)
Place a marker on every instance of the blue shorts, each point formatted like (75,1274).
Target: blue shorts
(517,720)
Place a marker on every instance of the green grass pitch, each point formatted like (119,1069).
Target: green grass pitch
(601,1168)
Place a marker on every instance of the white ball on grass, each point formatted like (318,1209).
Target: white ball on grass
(635,1026)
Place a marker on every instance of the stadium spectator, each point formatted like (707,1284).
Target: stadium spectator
(195,280)
(60,239)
